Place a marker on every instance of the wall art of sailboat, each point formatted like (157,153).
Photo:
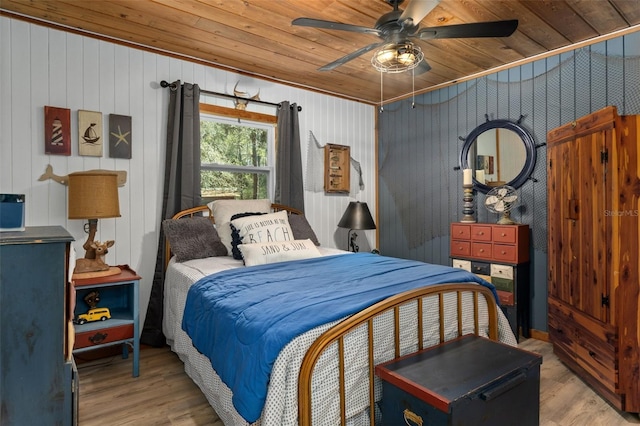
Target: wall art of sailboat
(90,135)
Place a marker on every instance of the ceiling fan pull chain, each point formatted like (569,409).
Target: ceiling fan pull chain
(381,97)
(413,88)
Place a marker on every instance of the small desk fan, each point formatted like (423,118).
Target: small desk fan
(501,200)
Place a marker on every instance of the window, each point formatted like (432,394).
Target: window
(237,158)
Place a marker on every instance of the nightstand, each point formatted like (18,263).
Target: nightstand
(120,294)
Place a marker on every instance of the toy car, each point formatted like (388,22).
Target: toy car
(95,314)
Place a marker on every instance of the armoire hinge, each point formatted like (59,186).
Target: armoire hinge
(604,156)
(605,300)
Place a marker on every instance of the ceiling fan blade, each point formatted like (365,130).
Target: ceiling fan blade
(478,29)
(422,67)
(330,25)
(416,10)
(349,57)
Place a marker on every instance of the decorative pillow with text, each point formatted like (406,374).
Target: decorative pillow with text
(223,210)
(266,228)
(263,253)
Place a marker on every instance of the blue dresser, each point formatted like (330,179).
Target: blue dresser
(38,384)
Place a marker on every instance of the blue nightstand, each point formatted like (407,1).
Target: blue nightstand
(120,294)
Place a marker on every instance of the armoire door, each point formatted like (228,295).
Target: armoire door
(578,197)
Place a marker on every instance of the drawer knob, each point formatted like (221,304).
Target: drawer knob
(460,232)
(480,233)
(481,250)
(504,252)
(503,234)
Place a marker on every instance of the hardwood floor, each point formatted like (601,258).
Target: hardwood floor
(165,395)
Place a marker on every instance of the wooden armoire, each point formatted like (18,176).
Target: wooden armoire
(593,177)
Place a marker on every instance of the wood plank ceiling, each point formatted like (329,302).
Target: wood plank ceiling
(255,37)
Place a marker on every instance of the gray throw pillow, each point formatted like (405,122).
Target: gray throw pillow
(193,238)
(301,228)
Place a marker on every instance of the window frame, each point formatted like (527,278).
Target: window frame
(248,119)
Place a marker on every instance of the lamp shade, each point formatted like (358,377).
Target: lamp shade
(357,216)
(93,195)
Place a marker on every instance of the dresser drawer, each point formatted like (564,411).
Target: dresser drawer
(462,264)
(595,349)
(504,234)
(598,358)
(481,233)
(460,232)
(503,284)
(481,268)
(103,335)
(505,297)
(505,253)
(460,248)
(502,271)
(481,250)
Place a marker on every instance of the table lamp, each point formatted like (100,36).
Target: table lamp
(93,195)
(357,216)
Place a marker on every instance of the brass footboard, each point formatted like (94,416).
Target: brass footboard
(393,304)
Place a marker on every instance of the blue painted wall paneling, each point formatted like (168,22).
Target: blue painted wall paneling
(420,193)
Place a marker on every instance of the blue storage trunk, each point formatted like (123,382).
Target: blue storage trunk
(467,381)
(11,212)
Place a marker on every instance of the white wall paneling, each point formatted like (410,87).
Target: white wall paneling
(41,66)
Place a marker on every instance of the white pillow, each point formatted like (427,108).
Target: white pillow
(266,228)
(223,210)
(263,253)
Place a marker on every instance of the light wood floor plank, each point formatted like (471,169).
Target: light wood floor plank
(165,395)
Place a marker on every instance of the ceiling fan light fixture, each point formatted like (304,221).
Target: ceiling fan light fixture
(397,57)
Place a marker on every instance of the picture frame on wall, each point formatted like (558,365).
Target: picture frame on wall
(90,136)
(119,136)
(57,131)
(337,168)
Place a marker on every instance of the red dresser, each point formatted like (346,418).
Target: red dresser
(500,255)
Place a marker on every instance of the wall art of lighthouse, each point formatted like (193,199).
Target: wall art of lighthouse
(57,131)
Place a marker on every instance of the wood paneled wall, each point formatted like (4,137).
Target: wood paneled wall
(41,66)
(420,193)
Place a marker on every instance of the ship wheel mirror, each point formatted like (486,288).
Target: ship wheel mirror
(500,152)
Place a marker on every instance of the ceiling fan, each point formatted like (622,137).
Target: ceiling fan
(397,52)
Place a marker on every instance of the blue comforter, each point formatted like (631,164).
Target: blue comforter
(241,318)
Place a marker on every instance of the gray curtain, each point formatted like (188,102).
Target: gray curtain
(289,177)
(181,188)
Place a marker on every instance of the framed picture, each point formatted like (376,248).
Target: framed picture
(57,131)
(337,168)
(90,133)
(119,136)
(485,162)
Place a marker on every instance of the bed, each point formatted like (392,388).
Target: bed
(324,375)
